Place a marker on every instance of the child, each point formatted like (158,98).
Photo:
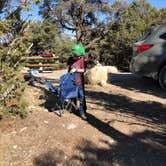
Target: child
(78,67)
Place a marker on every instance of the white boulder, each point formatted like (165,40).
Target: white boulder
(98,75)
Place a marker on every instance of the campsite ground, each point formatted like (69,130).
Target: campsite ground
(125,127)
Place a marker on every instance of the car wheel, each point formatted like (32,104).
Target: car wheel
(162,77)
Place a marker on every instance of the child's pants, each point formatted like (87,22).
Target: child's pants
(81,95)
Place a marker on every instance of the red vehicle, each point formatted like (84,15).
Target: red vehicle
(47,55)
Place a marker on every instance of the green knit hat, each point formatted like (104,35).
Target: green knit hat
(78,49)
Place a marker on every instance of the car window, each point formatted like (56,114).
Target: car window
(163,36)
(147,34)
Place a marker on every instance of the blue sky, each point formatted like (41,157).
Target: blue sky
(155,3)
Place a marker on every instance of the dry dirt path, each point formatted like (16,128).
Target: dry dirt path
(125,127)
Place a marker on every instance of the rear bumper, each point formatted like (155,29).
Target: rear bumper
(142,69)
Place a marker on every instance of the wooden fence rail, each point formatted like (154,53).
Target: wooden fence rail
(50,62)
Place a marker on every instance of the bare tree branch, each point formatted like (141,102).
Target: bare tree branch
(92,42)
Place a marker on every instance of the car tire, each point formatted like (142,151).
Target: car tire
(162,78)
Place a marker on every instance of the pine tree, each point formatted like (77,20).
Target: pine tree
(12,48)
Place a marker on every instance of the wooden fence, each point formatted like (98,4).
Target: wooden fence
(44,62)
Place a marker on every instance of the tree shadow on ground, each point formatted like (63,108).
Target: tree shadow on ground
(51,158)
(145,148)
(132,82)
(150,112)
(51,100)
(140,149)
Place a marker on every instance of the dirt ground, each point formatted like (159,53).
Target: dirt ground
(126,127)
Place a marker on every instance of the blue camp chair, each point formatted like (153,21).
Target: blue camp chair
(52,88)
(67,91)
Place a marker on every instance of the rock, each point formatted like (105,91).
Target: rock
(45,121)
(23,129)
(14,146)
(46,110)
(98,75)
(71,126)
(111,141)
